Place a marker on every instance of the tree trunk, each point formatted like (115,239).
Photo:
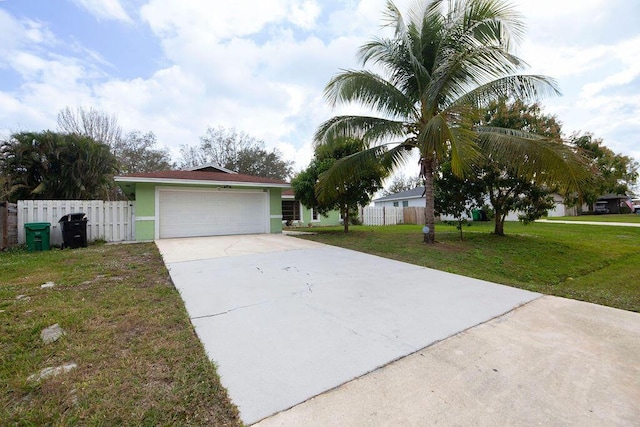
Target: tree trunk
(430,213)
(345,220)
(498,230)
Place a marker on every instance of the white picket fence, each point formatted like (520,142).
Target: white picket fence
(382,215)
(110,221)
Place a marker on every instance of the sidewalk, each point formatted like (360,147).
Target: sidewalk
(615,224)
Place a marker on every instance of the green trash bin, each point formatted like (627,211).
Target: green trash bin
(37,235)
(475,214)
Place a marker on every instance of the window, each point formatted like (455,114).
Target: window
(405,203)
(395,204)
(314,215)
(290,210)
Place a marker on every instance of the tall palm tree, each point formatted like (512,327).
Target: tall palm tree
(445,60)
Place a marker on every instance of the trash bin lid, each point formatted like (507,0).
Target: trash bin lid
(36,226)
(78,216)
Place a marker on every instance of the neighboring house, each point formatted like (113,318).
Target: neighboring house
(415,197)
(403,199)
(613,202)
(207,201)
(294,213)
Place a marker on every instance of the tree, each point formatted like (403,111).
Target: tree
(400,183)
(613,173)
(48,165)
(135,151)
(445,60)
(457,196)
(138,152)
(236,151)
(507,189)
(346,196)
(96,124)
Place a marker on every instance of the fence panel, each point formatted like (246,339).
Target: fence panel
(381,215)
(110,221)
(8,224)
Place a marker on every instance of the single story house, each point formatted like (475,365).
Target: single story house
(416,198)
(295,213)
(403,199)
(614,202)
(206,201)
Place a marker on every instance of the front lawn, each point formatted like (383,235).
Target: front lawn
(138,359)
(599,264)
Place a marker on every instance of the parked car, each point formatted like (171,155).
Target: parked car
(600,208)
(636,205)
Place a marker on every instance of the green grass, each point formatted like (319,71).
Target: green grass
(139,360)
(599,264)
(629,218)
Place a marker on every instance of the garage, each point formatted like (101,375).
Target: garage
(200,203)
(193,213)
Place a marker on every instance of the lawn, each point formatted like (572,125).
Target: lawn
(599,264)
(138,359)
(629,218)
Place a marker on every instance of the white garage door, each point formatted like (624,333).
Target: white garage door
(190,213)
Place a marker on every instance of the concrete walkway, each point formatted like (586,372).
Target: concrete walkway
(287,319)
(615,224)
(553,361)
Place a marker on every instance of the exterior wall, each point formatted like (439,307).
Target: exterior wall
(417,202)
(275,208)
(146,207)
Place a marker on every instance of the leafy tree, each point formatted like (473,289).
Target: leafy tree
(443,61)
(507,188)
(236,151)
(138,152)
(457,196)
(48,165)
(613,173)
(346,196)
(400,183)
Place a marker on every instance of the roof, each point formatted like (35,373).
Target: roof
(202,178)
(415,193)
(210,167)
(613,197)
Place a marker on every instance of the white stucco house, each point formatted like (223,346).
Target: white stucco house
(404,199)
(415,197)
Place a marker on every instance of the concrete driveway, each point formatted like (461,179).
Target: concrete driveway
(286,320)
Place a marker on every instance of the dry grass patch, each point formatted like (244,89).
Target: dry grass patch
(139,360)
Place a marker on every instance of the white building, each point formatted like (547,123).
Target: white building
(415,197)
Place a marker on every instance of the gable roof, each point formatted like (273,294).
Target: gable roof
(210,167)
(415,193)
(203,178)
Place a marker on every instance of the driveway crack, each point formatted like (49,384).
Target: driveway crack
(228,311)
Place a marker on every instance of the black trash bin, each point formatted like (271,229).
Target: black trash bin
(74,230)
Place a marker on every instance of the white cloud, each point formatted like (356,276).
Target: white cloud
(105,9)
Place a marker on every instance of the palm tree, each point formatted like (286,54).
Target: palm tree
(444,61)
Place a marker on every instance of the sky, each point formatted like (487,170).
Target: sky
(176,67)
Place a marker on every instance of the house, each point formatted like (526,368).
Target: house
(613,203)
(295,213)
(206,201)
(403,199)
(415,197)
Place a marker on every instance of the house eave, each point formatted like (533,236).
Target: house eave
(139,180)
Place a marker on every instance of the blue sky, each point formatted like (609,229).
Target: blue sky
(176,67)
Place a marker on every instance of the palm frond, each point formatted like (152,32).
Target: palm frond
(370,90)
(525,87)
(371,130)
(350,167)
(540,159)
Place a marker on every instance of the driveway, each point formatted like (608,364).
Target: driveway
(286,320)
